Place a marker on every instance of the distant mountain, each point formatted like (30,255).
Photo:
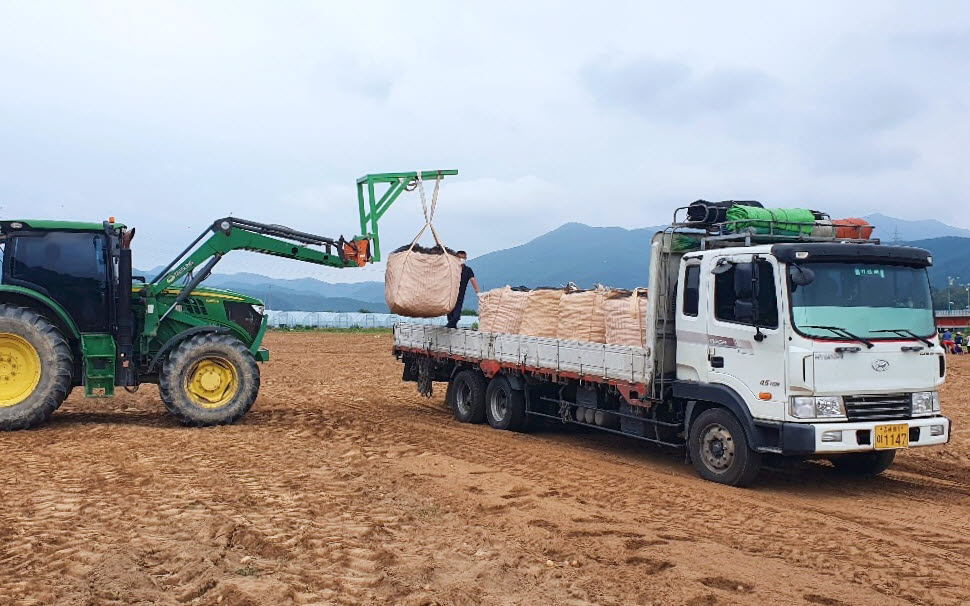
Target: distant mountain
(891,228)
(578,253)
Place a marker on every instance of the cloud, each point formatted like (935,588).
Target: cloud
(663,89)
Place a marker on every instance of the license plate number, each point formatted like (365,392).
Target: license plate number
(891,436)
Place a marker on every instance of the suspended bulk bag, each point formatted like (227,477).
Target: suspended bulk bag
(856,229)
(581,316)
(626,314)
(422,282)
(541,315)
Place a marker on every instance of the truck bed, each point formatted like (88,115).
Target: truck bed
(575,359)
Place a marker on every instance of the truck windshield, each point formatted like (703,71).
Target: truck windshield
(863,298)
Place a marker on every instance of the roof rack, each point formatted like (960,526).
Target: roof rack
(751,232)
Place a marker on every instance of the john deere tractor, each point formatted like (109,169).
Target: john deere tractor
(73,315)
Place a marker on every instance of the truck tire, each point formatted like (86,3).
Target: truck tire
(209,379)
(864,463)
(467,396)
(504,406)
(719,449)
(36,368)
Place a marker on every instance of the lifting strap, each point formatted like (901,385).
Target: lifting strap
(428,216)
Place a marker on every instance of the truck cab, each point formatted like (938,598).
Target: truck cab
(820,349)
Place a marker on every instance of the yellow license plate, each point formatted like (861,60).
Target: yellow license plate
(891,436)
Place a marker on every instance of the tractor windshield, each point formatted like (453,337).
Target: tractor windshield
(865,299)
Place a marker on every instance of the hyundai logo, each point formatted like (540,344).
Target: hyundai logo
(880,365)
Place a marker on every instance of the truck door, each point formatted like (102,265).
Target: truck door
(746,345)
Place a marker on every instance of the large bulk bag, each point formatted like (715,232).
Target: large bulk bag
(626,317)
(422,282)
(776,221)
(581,316)
(501,309)
(541,314)
(488,303)
(857,229)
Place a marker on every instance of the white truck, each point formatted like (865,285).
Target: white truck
(795,346)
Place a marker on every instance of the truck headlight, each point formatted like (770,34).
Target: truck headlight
(926,402)
(821,407)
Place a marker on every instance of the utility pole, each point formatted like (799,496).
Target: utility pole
(949,292)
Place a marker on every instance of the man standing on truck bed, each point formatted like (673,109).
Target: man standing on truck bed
(466,275)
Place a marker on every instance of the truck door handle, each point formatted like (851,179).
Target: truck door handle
(717,362)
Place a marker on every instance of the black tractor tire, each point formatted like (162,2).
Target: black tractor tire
(56,364)
(466,396)
(720,451)
(223,356)
(864,463)
(504,406)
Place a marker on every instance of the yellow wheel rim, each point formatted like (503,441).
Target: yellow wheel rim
(212,382)
(19,369)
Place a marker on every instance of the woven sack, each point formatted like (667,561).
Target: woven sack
(625,316)
(508,319)
(857,229)
(541,314)
(488,304)
(581,316)
(422,282)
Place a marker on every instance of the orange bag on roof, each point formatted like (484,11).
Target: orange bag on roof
(854,228)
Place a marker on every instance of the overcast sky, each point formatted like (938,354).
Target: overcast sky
(169,115)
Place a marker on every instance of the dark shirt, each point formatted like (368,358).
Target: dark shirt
(466,275)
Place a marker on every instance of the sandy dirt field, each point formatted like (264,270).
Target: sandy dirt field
(343,486)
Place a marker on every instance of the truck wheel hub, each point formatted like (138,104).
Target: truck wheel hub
(19,369)
(717,448)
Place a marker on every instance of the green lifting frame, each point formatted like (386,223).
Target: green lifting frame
(372,208)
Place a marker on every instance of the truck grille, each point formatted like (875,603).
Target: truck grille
(885,407)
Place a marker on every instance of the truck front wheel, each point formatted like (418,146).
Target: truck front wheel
(864,463)
(466,395)
(720,451)
(209,379)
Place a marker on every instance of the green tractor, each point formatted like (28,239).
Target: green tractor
(72,314)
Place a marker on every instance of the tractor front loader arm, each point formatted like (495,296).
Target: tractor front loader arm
(229,234)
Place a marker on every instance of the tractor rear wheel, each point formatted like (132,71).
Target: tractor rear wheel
(36,367)
(209,379)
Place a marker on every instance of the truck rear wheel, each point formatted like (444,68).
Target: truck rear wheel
(35,368)
(209,379)
(720,451)
(504,406)
(864,463)
(467,396)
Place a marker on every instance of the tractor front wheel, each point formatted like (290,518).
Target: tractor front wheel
(35,368)
(209,379)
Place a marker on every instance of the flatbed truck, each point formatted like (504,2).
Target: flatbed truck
(756,344)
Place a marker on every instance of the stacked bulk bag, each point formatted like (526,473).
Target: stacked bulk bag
(501,309)
(422,282)
(488,303)
(581,316)
(625,315)
(775,221)
(541,314)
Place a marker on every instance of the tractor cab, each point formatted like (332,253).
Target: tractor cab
(67,262)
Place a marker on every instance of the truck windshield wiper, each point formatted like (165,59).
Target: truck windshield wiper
(844,333)
(908,333)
